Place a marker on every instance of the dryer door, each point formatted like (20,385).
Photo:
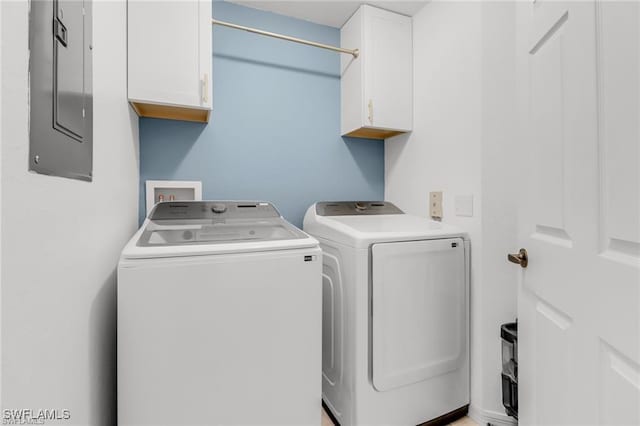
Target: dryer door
(419,310)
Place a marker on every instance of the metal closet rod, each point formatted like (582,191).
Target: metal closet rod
(353,52)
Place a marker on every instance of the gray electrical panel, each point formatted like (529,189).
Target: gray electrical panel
(60,79)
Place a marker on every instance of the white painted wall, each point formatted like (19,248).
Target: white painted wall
(2,44)
(464,114)
(61,238)
(499,193)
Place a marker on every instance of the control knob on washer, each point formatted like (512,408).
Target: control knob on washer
(219,208)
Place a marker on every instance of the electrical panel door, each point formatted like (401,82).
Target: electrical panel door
(61,105)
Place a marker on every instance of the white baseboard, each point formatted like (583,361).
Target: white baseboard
(489,417)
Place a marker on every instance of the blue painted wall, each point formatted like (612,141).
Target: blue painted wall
(274,132)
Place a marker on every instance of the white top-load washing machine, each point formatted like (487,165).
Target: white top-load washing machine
(395,342)
(219,318)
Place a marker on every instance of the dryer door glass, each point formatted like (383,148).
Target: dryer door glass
(419,310)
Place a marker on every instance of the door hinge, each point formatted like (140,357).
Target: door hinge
(370,111)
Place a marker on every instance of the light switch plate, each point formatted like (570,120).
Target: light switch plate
(435,204)
(464,205)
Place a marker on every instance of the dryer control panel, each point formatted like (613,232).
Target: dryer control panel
(350,208)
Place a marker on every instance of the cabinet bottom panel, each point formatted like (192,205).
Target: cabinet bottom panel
(369,133)
(171,112)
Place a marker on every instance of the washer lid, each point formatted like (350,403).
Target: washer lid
(197,228)
(172,232)
(362,230)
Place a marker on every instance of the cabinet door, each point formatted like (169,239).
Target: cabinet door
(388,69)
(205,53)
(166,56)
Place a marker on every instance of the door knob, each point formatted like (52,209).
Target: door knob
(521,258)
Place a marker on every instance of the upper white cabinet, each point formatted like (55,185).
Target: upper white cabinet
(169,58)
(377,86)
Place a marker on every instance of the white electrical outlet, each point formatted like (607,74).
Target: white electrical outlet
(464,205)
(435,204)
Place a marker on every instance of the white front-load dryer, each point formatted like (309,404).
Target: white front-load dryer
(219,318)
(395,340)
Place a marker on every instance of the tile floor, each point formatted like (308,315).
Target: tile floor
(326,420)
(465,421)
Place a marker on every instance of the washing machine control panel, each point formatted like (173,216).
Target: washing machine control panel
(350,208)
(213,210)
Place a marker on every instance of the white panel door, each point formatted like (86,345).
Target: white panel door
(419,310)
(579,219)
